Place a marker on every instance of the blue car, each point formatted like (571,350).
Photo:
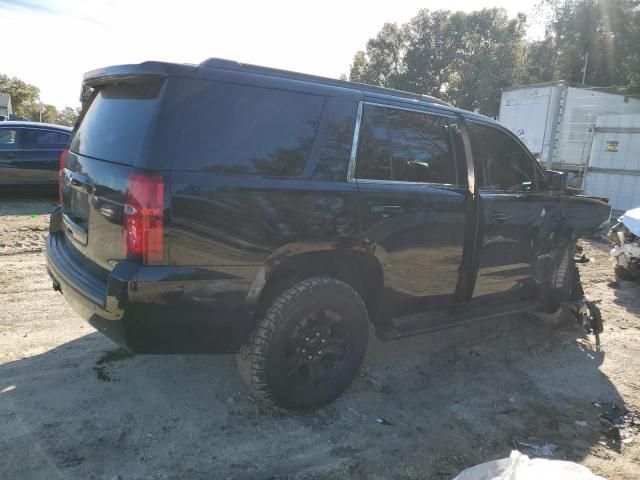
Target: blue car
(30,154)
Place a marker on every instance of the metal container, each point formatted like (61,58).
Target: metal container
(613,164)
(555,120)
(531,112)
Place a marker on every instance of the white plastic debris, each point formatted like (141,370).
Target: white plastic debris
(631,220)
(521,467)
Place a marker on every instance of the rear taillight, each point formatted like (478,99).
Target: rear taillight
(63,156)
(144,218)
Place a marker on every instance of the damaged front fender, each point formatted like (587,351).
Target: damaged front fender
(584,215)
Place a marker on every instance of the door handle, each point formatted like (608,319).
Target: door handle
(500,216)
(387,209)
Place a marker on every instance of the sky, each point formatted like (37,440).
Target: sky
(56,41)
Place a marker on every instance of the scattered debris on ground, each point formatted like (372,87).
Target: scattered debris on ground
(537,449)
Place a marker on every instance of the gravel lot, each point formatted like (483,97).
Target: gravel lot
(73,406)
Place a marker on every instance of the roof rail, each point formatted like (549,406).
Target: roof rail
(234,65)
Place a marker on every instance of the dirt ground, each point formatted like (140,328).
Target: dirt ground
(73,406)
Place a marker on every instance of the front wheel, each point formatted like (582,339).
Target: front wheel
(564,282)
(309,346)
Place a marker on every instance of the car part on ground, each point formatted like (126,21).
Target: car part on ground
(583,311)
(625,235)
(589,316)
(579,256)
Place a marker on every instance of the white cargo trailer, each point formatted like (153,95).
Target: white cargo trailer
(613,165)
(555,120)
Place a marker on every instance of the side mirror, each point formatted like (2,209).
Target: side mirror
(556,180)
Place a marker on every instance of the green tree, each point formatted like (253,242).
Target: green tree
(539,62)
(490,57)
(430,51)
(50,114)
(24,96)
(68,116)
(465,58)
(607,30)
(25,101)
(468,58)
(383,61)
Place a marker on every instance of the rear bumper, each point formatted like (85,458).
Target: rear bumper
(87,294)
(149,309)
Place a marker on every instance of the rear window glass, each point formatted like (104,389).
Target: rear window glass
(117,122)
(237,129)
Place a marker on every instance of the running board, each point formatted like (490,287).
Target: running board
(433,322)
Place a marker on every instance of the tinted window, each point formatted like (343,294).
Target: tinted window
(238,129)
(420,148)
(44,140)
(8,139)
(116,124)
(334,141)
(374,154)
(501,163)
(403,145)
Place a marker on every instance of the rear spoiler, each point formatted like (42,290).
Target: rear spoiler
(131,72)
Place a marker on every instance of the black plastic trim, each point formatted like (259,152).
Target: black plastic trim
(66,267)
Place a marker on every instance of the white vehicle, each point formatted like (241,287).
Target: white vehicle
(626,253)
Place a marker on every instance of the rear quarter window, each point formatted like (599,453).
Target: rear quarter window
(239,129)
(332,149)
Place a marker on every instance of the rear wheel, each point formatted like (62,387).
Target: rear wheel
(309,346)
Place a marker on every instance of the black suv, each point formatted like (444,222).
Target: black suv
(29,154)
(229,208)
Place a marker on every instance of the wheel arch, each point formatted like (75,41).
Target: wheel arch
(360,270)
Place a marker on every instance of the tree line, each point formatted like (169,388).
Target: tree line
(25,102)
(468,58)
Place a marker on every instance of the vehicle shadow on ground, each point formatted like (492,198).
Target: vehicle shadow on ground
(449,400)
(627,295)
(27,203)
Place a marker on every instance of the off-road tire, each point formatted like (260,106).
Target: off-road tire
(261,358)
(564,283)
